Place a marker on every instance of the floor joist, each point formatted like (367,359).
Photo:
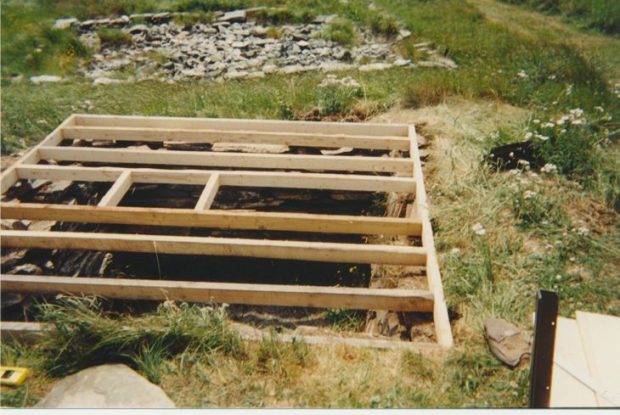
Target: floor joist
(194,245)
(218,219)
(205,292)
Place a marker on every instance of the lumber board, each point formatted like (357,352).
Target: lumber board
(219,219)
(233,293)
(192,245)
(9,177)
(210,159)
(370,142)
(292,180)
(32,331)
(441,319)
(224,124)
(600,335)
(566,390)
(115,194)
(208,193)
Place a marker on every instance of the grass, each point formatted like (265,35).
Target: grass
(603,15)
(114,38)
(384,24)
(554,230)
(342,31)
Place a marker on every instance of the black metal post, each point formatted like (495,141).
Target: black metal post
(543,348)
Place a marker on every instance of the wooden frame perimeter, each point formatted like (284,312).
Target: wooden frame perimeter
(300,171)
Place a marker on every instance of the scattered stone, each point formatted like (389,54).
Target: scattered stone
(62,24)
(250,148)
(341,150)
(139,28)
(106,386)
(402,62)
(259,31)
(105,81)
(403,34)
(45,79)
(507,342)
(374,67)
(26,269)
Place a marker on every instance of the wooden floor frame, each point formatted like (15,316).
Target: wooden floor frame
(298,171)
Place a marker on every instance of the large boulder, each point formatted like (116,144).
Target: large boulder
(106,386)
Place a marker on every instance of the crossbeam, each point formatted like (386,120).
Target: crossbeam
(211,159)
(193,245)
(218,219)
(291,180)
(233,293)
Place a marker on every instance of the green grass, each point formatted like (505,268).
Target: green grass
(114,37)
(603,15)
(342,31)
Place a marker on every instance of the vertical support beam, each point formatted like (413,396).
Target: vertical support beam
(420,211)
(117,191)
(208,194)
(543,348)
(11,176)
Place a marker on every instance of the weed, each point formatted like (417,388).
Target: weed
(341,31)
(283,15)
(345,320)
(280,359)
(336,99)
(384,24)
(84,336)
(274,32)
(414,364)
(114,38)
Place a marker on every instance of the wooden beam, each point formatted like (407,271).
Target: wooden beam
(210,159)
(239,136)
(223,124)
(191,245)
(233,293)
(220,219)
(441,319)
(208,194)
(117,191)
(292,180)
(9,177)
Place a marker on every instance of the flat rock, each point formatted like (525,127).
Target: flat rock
(374,67)
(250,148)
(234,16)
(105,81)
(106,386)
(45,79)
(62,24)
(507,342)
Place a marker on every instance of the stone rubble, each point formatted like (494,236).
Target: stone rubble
(232,47)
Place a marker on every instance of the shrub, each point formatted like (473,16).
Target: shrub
(384,24)
(341,31)
(336,99)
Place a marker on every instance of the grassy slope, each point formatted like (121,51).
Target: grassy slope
(481,104)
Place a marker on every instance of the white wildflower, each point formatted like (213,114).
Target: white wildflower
(528,135)
(528,194)
(583,231)
(511,154)
(549,168)
(576,122)
(536,121)
(569,90)
(523,162)
(563,130)
(479,229)
(548,125)
(552,77)
(558,277)
(541,137)
(522,74)
(562,120)
(577,112)
(515,172)
(455,251)
(599,109)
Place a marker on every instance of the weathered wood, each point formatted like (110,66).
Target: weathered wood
(290,180)
(220,219)
(209,159)
(224,124)
(117,191)
(440,313)
(191,245)
(208,194)
(234,293)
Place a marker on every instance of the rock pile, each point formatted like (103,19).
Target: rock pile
(231,47)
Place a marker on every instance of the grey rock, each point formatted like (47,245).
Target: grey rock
(403,33)
(259,31)
(234,16)
(45,79)
(507,342)
(105,81)
(139,28)
(62,24)
(106,386)
(374,67)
